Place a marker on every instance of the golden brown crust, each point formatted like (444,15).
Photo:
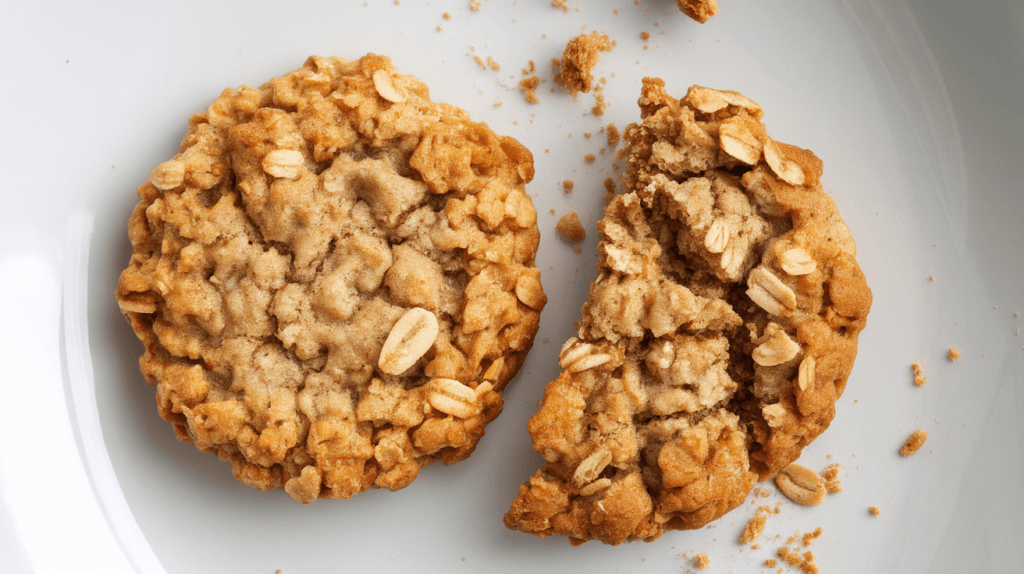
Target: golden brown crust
(716,338)
(334,279)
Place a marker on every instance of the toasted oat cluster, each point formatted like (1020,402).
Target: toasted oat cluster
(720,330)
(334,279)
(699,10)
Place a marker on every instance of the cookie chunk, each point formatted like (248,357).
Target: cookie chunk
(334,279)
(720,330)
(581,55)
(699,10)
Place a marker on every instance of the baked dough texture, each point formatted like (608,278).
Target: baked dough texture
(334,279)
(716,339)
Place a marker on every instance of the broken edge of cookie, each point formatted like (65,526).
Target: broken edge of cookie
(716,339)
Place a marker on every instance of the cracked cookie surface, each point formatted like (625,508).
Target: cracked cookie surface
(334,279)
(716,339)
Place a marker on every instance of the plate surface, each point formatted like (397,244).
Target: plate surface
(912,104)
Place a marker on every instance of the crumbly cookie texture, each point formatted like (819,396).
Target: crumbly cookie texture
(720,330)
(334,279)
(699,10)
(581,55)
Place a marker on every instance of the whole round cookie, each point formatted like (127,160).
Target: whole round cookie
(334,279)
(716,339)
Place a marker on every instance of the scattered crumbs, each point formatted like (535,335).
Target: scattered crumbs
(493,65)
(831,477)
(447,15)
(531,69)
(645,36)
(563,4)
(915,442)
(919,379)
(568,185)
(613,135)
(770,563)
(931,277)
(590,157)
(552,211)
(762,492)
(474,5)
(828,457)
(599,104)
(701,561)
(811,536)
(529,89)
(570,228)
(954,353)
(480,61)
(874,510)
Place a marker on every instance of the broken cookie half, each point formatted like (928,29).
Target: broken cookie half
(716,338)
(334,279)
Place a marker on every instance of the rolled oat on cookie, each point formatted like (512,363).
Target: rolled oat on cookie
(716,339)
(334,279)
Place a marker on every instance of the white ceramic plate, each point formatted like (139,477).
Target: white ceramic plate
(912,104)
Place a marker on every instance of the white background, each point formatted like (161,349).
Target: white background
(914,106)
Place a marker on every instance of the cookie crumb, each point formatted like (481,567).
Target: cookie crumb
(493,65)
(474,5)
(581,55)
(578,249)
(568,185)
(447,15)
(570,228)
(831,477)
(529,89)
(919,379)
(874,510)
(590,157)
(931,277)
(915,442)
(599,105)
(699,10)
(645,36)
(563,4)
(755,526)
(701,561)
(613,135)
(954,353)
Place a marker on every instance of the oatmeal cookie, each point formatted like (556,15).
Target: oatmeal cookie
(334,279)
(720,330)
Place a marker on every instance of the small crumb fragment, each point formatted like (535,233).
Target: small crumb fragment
(874,510)
(599,105)
(915,442)
(701,561)
(581,55)
(493,65)
(529,88)
(531,69)
(699,10)
(831,477)
(570,228)
(590,157)
(447,15)
(770,563)
(811,536)
(568,185)
(551,211)
(480,62)
(645,36)
(563,4)
(954,353)
(613,135)
(755,526)
(474,5)
(578,249)
(919,379)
